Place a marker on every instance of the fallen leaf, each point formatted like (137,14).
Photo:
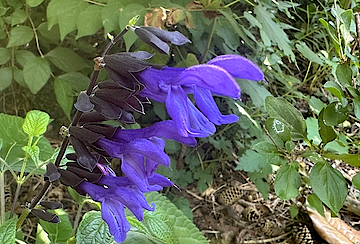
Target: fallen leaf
(333,230)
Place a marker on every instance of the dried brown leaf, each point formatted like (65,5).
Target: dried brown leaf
(333,230)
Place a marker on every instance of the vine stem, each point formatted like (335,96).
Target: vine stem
(74,122)
(35,34)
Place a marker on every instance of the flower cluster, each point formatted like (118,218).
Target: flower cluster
(132,82)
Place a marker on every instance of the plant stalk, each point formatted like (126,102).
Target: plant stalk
(77,218)
(17,193)
(209,41)
(2,197)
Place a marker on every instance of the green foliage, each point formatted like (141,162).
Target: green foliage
(60,232)
(36,73)
(329,185)
(184,229)
(35,123)
(8,230)
(93,229)
(287,181)
(166,224)
(14,139)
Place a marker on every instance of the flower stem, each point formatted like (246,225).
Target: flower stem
(77,218)
(113,42)
(16,196)
(2,197)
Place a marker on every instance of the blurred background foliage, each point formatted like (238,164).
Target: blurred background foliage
(307,49)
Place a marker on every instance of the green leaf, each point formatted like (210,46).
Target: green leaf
(160,226)
(77,81)
(264,147)
(110,15)
(4,55)
(6,75)
(356,180)
(36,73)
(252,161)
(20,35)
(41,236)
(344,75)
(8,230)
(76,196)
(327,133)
(51,36)
(35,123)
(160,110)
(64,13)
(34,3)
(356,104)
(34,152)
(273,30)
(183,227)
(23,56)
(352,159)
(280,109)
(14,139)
(287,181)
(289,146)
(59,232)
(93,229)
(312,125)
(316,203)
(257,92)
(89,21)
(329,185)
(189,61)
(278,131)
(294,211)
(237,28)
(316,104)
(335,89)
(334,114)
(308,53)
(347,18)
(66,59)
(260,181)
(19,76)
(332,34)
(17,17)
(64,95)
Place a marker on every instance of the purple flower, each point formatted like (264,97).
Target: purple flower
(114,193)
(139,160)
(140,150)
(171,86)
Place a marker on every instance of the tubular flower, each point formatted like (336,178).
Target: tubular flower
(114,193)
(171,86)
(140,150)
